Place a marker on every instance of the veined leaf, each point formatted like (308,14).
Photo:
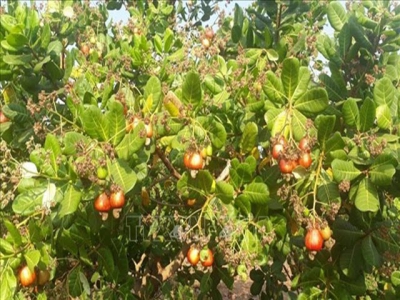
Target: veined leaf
(384,92)
(383,116)
(344,38)
(351,114)
(257,192)
(273,88)
(122,174)
(367,115)
(351,261)
(116,122)
(69,204)
(336,15)
(367,196)
(302,86)
(51,144)
(290,76)
(152,91)
(325,125)
(313,101)
(249,137)
(344,170)
(94,123)
(370,253)
(191,88)
(383,170)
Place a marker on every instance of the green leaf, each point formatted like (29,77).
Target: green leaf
(27,202)
(367,196)
(345,233)
(75,286)
(153,89)
(14,232)
(6,247)
(8,22)
(16,60)
(55,47)
(273,88)
(367,115)
(276,120)
(370,253)
(116,122)
(382,170)
(303,81)
(325,125)
(45,37)
(217,134)
(70,202)
(53,147)
(200,185)
(168,39)
(328,192)
(335,93)
(191,88)
(383,116)
(395,278)
(344,170)
(313,101)
(224,191)
(344,38)
(298,124)
(257,192)
(8,280)
(351,261)
(132,142)
(212,84)
(122,174)
(351,115)
(244,204)
(359,34)
(336,15)
(94,123)
(240,175)
(106,259)
(32,258)
(249,137)
(71,138)
(17,40)
(272,54)
(290,76)
(250,242)
(384,92)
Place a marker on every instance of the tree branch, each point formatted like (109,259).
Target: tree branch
(167,163)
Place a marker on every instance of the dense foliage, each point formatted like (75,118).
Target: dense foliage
(124,146)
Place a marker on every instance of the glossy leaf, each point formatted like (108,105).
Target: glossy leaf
(325,125)
(370,253)
(367,196)
(313,101)
(122,174)
(32,258)
(191,88)
(302,86)
(384,92)
(224,191)
(51,144)
(70,202)
(153,88)
(351,261)
(290,76)
(273,88)
(344,170)
(383,116)
(351,113)
(249,137)
(382,170)
(367,115)
(336,15)
(257,192)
